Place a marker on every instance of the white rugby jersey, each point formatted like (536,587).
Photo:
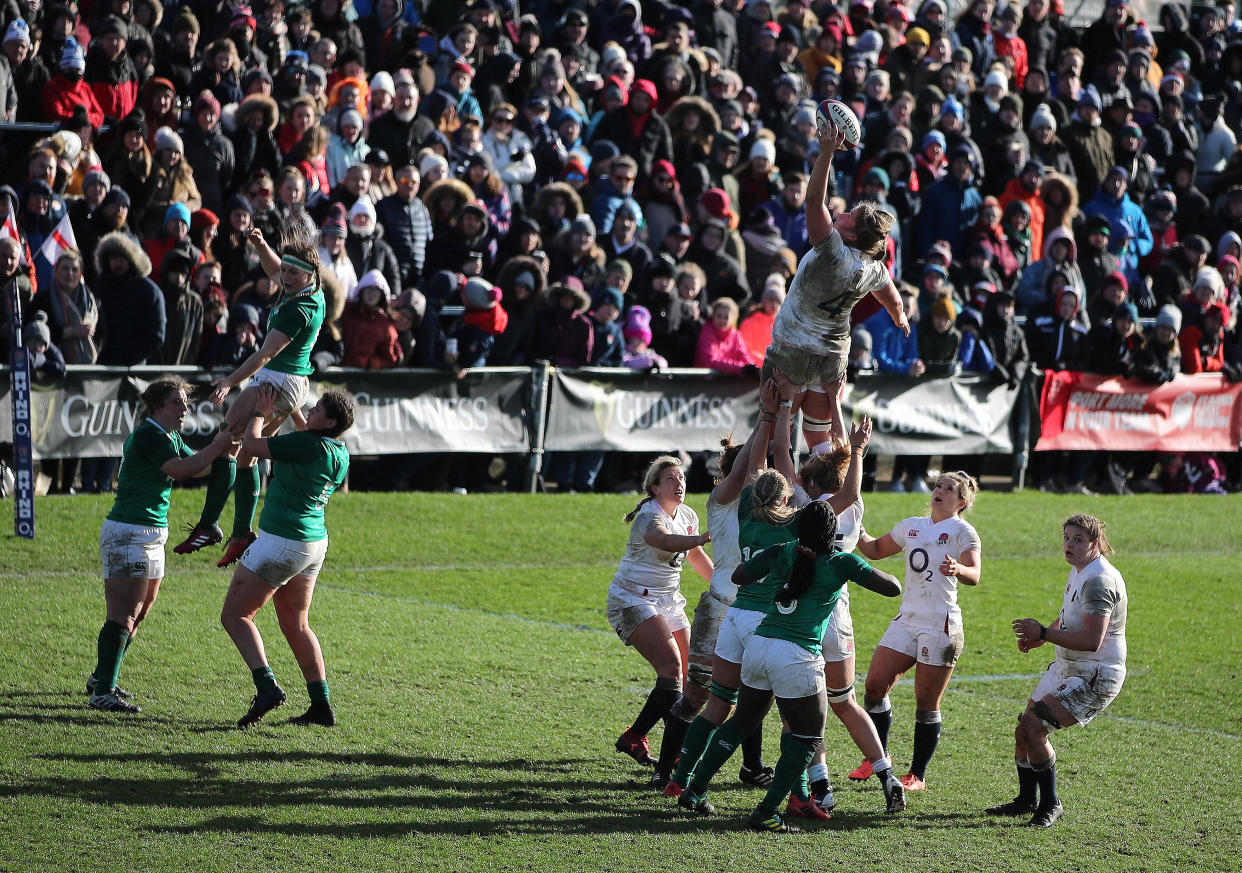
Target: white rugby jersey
(726,554)
(930,599)
(656,570)
(1097,589)
(831,278)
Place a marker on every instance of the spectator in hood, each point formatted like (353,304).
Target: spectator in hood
(637,130)
(131,305)
(368,331)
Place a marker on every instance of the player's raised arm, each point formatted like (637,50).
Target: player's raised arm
(891,301)
(818,218)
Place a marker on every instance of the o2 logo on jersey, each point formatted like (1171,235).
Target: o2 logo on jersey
(919,563)
(786,607)
(944,540)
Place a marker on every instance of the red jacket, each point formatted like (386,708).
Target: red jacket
(370,338)
(61,98)
(756,331)
(1015,190)
(1012,47)
(722,350)
(1195,355)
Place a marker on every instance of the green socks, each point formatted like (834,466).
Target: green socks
(245,499)
(219,486)
(318,691)
(113,640)
(728,737)
(264,679)
(692,747)
(797,752)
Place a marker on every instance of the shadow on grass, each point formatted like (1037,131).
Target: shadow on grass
(425,795)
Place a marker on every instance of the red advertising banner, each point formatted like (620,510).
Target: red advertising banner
(1200,413)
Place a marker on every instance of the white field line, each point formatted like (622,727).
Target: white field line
(545,565)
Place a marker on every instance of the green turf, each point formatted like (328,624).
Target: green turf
(479,690)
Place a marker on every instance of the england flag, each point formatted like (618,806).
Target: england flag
(59,241)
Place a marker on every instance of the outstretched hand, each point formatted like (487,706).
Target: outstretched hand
(769,397)
(860,433)
(830,140)
(265,403)
(220,389)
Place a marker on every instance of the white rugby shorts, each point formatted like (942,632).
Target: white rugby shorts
(628,608)
(291,389)
(735,632)
(132,551)
(276,560)
(784,668)
(1082,698)
(932,647)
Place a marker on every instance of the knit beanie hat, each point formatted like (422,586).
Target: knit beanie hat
(167,138)
(480,294)
(178,211)
(638,324)
(37,329)
(334,224)
(944,308)
(19,30)
(73,58)
(1169,316)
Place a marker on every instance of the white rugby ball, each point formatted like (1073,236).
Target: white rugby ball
(834,112)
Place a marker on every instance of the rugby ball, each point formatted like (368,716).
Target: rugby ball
(834,112)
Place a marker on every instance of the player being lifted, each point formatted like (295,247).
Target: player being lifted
(283,361)
(1090,639)
(811,335)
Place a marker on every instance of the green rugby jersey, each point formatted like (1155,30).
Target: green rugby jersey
(307,468)
(143,489)
(803,621)
(753,536)
(298,317)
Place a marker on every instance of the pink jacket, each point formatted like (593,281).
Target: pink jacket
(722,350)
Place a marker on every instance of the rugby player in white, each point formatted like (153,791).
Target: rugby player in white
(811,334)
(941,550)
(1090,639)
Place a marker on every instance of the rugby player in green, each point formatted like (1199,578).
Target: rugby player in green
(283,563)
(283,361)
(783,658)
(131,541)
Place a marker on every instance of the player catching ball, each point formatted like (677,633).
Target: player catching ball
(283,361)
(131,541)
(942,549)
(811,334)
(1090,639)
(284,561)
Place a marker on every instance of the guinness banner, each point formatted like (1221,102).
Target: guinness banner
(965,415)
(607,409)
(92,410)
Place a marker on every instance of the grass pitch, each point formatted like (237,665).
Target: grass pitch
(479,690)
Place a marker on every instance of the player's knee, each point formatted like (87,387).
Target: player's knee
(667,682)
(699,678)
(876,703)
(1031,726)
(724,693)
(840,696)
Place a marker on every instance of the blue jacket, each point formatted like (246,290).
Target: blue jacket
(948,209)
(1116,210)
(791,225)
(609,347)
(893,351)
(975,355)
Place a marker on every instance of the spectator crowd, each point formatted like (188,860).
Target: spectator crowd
(621,183)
